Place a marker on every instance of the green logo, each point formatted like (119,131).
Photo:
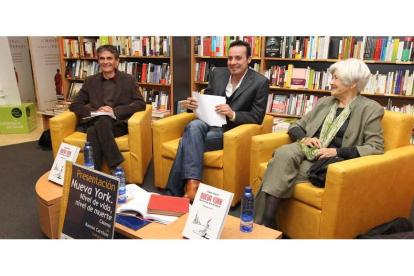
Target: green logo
(27,112)
(16,112)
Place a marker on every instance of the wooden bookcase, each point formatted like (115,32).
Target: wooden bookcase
(382,67)
(139,58)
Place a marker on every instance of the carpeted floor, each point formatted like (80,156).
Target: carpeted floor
(21,166)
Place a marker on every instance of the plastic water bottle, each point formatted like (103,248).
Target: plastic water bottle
(88,156)
(122,188)
(247,210)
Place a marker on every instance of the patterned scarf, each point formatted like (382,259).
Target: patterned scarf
(329,129)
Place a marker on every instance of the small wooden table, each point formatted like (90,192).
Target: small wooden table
(231,230)
(49,197)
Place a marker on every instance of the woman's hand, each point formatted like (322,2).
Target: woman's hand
(310,142)
(327,152)
(191,103)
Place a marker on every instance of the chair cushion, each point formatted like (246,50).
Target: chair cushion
(211,159)
(304,192)
(79,138)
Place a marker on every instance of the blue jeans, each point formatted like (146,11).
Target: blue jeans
(188,164)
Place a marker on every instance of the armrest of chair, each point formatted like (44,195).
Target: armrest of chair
(164,130)
(61,126)
(267,124)
(236,156)
(365,192)
(262,148)
(140,135)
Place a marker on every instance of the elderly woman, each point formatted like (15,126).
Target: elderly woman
(344,124)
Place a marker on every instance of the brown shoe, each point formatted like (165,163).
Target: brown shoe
(191,188)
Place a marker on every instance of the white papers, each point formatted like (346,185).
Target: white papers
(100,113)
(205,110)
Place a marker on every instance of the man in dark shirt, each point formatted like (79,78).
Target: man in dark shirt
(110,91)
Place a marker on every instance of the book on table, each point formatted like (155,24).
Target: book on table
(208,213)
(138,205)
(168,205)
(65,153)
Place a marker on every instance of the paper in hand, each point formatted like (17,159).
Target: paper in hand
(205,110)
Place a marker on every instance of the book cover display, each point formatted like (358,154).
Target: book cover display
(273,44)
(88,208)
(208,213)
(65,152)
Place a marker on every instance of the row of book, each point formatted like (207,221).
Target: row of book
(203,70)
(80,47)
(74,89)
(327,47)
(388,49)
(294,104)
(159,100)
(299,78)
(147,72)
(218,46)
(399,82)
(373,49)
(313,47)
(86,47)
(142,45)
(80,69)
(281,124)
(405,108)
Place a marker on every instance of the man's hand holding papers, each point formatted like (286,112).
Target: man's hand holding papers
(208,108)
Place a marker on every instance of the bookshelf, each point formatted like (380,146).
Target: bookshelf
(147,58)
(381,62)
(296,52)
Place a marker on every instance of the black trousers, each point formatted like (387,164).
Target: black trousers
(101,134)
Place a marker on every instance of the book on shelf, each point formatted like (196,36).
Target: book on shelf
(282,124)
(279,104)
(160,113)
(181,107)
(273,46)
(138,200)
(208,213)
(168,205)
(65,153)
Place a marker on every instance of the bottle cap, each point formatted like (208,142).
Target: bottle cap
(119,169)
(248,189)
(87,143)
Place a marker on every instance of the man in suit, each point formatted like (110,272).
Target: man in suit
(110,91)
(246,93)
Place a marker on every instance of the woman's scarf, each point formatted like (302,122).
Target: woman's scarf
(329,129)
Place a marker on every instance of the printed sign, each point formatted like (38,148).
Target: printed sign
(88,204)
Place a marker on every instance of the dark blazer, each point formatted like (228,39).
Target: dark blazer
(128,99)
(249,100)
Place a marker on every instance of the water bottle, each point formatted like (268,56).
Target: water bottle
(88,156)
(122,188)
(247,212)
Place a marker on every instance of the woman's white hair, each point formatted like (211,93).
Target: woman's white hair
(352,71)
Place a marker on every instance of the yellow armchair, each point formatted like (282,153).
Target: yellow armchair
(226,169)
(136,146)
(359,194)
